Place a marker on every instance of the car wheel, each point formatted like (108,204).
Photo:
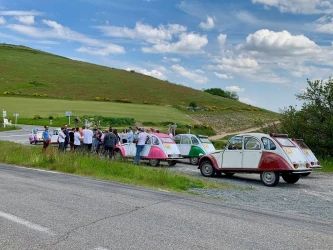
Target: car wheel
(218,172)
(172,163)
(229,174)
(207,169)
(118,156)
(194,160)
(154,162)
(306,174)
(270,179)
(290,178)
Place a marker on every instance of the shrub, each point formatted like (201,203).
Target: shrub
(37,117)
(124,101)
(35,94)
(6,93)
(106,99)
(97,98)
(193,104)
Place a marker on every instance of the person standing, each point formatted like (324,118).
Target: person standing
(87,138)
(46,138)
(66,132)
(110,141)
(130,135)
(141,142)
(71,139)
(61,140)
(77,139)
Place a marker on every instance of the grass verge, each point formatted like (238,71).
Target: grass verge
(327,165)
(90,165)
(9,128)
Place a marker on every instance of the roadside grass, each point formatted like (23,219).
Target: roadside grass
(92,166)
(327,165)
(9,128)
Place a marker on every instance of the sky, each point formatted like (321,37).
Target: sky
(264,50)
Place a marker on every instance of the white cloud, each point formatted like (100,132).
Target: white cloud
(21,13)
(144,32)
(199,79)
(187,44)
(246,100)
(246,17)
(28,20)
(57,31)
(154,72)
(170,59)
(221,40)
(299,6)
(304,91)
(223,76)
(2,20)
(235,89)
(200,71)
(325,24)
(239,65)
(208,25)
(280,43)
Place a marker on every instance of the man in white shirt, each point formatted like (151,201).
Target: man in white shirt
(87,138)
(61,140)
(77,139)
(141,142)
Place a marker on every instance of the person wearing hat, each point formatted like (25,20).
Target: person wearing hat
(141,142)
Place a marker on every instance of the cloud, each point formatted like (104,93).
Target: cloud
(57,31)
(144,32)
(208,25)
(28,20)
(199,79)
(170,59)
(221,40)
(21,13)
(325,24)
(246,100)
(235,89)
(280,43)
(187,44)
(246,17)
(223,76)
(299,6)
(2,20)
(154,72)
(239,65)
(200,71)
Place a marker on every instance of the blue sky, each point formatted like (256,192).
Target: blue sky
(262,49)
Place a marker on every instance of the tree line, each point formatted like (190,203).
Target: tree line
(222,93)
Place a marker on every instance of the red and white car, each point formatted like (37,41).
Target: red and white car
(268,155)
(308,154)
(159,147)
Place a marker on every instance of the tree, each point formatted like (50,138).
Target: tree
(222,93)
(193,104)
(314,122)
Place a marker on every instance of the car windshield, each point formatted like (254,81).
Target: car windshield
(302,144)
(285,142)
(166,140)
(204,140)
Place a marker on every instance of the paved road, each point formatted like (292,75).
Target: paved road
(19,136)
(45,210)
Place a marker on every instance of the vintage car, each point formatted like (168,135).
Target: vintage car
(37,135)
(268,155)
(308,154)
(193,146)
(159,147)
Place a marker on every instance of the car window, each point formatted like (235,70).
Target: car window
(166,140)
(302,144)
(177,139)
(285,142)
(204,140)
(195,141)
(268,144)
(235,142)
(251,143)
(186,140)
(155,140)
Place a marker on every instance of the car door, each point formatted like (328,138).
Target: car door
(232,156)
(146,149)
(185,145)
(252,152)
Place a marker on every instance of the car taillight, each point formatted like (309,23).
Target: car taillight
(318,163)
(308,165)
(169,156)
(295,165)
(180,155)
(312,163)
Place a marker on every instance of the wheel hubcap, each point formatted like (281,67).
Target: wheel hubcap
(269,177)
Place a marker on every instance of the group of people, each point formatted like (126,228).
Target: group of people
(97,141)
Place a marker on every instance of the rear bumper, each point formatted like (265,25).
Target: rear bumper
(302,171)
(316,167)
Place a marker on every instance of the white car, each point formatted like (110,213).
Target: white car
(268,155)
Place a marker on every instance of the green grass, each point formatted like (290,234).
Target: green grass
(327,165)
(29,107)
(90,165)
(8,128)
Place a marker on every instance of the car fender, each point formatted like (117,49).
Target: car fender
(208,158)
(273,162)
(122,150)
(195,151)
(156,153)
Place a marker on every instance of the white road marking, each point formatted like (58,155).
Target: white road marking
(40,170)
(25,223)
(100,248)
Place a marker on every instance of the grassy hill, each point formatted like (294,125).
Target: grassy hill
(25,72)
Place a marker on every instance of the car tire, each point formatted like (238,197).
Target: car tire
(154,162)
(270,178)
(118,156)
(290,178)
(194,160)
(306,174)
(172,163)
(229,174)
(218,173)
(207,169)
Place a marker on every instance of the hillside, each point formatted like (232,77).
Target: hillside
(26,71)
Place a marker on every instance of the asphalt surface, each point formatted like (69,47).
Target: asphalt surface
(48,210)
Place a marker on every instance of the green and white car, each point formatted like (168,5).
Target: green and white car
(193,146)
